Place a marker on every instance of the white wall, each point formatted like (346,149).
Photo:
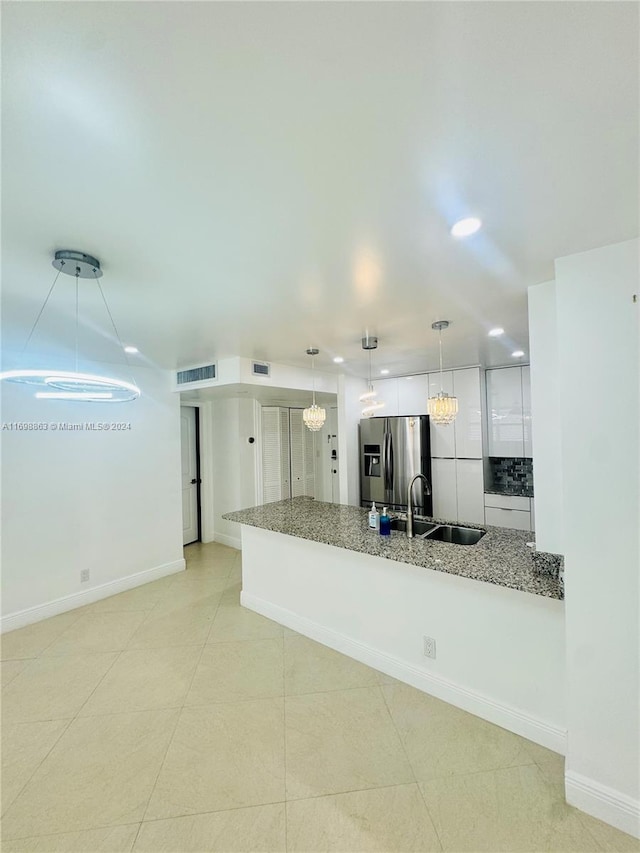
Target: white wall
(499,651)
(349,414)
(545,405)
(599,374)
(107,501)
(234,464)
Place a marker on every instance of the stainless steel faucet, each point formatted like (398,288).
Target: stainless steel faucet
(410,502)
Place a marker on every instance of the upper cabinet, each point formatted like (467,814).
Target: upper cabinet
(388,394)
(509,412)
(468,423)
(413,392)
(408,395)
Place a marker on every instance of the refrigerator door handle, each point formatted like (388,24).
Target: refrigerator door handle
(390,462)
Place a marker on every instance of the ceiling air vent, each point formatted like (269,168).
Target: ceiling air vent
(260,368)
(196,374)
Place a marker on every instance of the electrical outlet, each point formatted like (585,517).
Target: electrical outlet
(84,575)
(429,647)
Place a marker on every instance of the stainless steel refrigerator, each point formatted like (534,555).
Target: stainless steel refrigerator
(392,452)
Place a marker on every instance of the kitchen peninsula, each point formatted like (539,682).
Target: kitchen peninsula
(498,626)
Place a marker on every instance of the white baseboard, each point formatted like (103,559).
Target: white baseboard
(602,802)
(87,596)
(539,731)
(231,541)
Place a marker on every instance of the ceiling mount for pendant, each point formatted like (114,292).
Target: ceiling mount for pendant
(370,342)
(77,264)
(439,325)
(312,351)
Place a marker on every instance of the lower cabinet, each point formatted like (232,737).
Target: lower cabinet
(444,488)
(458,490)
(470,488)
(508,511)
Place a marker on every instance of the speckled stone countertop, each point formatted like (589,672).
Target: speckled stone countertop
(501,557)
(509,491)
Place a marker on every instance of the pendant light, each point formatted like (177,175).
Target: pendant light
(315,416)
(54,384)
(371,405)
(442,409)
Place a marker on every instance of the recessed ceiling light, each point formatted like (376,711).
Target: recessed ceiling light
(518,353)
(384,371)
(131,350)
(495,333)
(338,359)
(466,227)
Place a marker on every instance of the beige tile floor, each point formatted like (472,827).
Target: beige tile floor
(168,718)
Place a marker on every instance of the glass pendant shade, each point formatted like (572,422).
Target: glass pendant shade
(314,417)
(442,409)
(371,408)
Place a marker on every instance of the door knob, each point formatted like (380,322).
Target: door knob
(194,481)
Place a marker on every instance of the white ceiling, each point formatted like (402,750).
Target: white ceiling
(261,177)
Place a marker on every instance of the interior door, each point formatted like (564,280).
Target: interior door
(188,440)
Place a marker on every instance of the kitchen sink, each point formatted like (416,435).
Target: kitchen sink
(456,535)
(439,532)
(420,528)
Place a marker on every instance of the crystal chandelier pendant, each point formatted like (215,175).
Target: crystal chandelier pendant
(314,416)
(442,409)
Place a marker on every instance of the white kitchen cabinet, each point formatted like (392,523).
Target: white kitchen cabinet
(507,501)
(388,394)
(413,392)
(468,423)
(443,440)
(504,412)
(444,489)
(470,490)
(508,511)
(526,411)
(514,518)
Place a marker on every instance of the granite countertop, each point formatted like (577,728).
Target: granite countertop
(501,557)
(511,491)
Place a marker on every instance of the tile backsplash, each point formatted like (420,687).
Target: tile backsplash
(512,475)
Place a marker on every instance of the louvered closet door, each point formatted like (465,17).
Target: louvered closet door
(271,455)
(285,461)
(297,452)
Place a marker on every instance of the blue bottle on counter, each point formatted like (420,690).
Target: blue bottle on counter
(385,523)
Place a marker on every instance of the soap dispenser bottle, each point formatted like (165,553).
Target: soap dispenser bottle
(374,517)
(385,523)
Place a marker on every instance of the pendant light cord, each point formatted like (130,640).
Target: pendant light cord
(313,377)
(440,345)
(76,322)
(44,305)
(115,328)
